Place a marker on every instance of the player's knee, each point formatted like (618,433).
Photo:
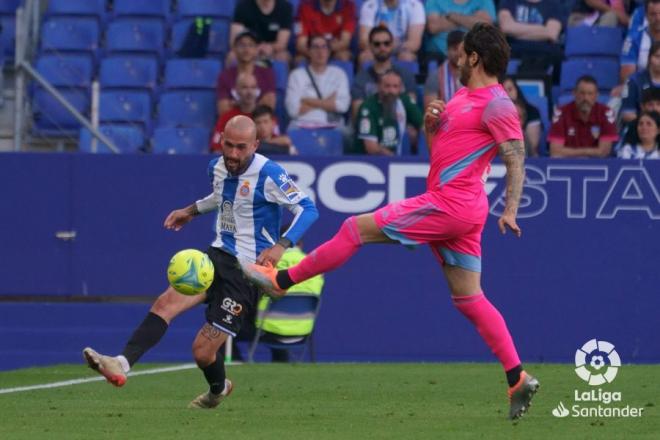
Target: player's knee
(202,355)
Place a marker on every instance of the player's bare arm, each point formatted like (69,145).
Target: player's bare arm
(179,217)
(512,153)
(432,117)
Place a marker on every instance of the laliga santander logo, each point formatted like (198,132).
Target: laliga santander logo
(597,362)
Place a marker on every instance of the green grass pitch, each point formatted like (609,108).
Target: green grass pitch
(320,401)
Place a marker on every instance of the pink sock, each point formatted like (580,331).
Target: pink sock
(330,255)
(491,327)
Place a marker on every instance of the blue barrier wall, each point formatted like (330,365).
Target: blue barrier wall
(587,265)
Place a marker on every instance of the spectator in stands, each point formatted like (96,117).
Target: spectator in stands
(648,136)
(246,93)
(650,103)
(317,95)
(381,44)
(445,16)
(584,127)
(270,140)
(271,22)
(599,13)
(533,28)
(446,81)
(640,81)
(530,118)
(634,53)
(383,117)
(245,47)
(404,18)
(334,19)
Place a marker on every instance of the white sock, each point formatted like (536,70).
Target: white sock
(124,363)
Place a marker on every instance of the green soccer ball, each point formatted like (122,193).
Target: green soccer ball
(190,272)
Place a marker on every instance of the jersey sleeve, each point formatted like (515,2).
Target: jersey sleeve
(608,129)
(210,202)
(417,13)
(501,119)
(630,96)
(368,14)
(630,47)
(558,128)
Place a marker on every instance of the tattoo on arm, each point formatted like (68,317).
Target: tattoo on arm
(512,153)
(210,332)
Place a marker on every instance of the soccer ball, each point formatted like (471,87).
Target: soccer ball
(190,272)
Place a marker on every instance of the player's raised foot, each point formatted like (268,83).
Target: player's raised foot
(263,276)
(208,400)
(521,394)
(109,367)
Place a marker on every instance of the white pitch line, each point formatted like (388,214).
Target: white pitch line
(67,383)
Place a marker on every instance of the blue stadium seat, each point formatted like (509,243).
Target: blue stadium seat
(185,73)
(206,8)
(8,35)
(66,70)
(512,67)
(145,8)
(593,41)
(187,109)
(8,7)
(218,36)
(70,34)
(318,141)
(604,70)
(126,106)
(281,70)
(127,138)
(129,71)
(89,8)
(51,118)
(191,140)
(135,35)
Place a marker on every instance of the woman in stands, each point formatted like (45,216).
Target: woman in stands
(530,117)
(648,138)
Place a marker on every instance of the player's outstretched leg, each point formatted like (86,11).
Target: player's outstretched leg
(209,400)
(520,395)
(109,367)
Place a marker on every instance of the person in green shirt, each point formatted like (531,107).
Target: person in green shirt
(383,117)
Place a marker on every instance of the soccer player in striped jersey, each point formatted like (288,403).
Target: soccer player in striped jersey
(465,135)
(248,193)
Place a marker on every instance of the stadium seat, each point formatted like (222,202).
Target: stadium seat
(291,307)
(604,70)
(129,71)
(206,8)
(144,8)
(127,138)
(145,35)
(187,109)
(126,106)
(218,37)
(8,35)
(8,7)
(60,34)
(191,140)
(281,70)
(88,8)
(512,66)
(51,118)
(317,141)
(185,73)
(66,70)
(593,41)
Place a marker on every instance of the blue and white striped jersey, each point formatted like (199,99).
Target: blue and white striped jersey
(249,207)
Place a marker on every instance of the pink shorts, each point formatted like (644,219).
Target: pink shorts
(419,220)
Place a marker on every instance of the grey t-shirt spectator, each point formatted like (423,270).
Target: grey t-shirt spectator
(265,27)
(365,82)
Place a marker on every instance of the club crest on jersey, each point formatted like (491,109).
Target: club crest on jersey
(595,131)
(244,190)
(290,190)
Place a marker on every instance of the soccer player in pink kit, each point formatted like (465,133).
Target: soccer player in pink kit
(466,134)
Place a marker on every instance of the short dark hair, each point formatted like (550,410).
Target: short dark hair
(648,2)
(586,79)
(262,110)
(379,29)
(489,43)
(246,34)
(316,37)
(651,94)
(455,37)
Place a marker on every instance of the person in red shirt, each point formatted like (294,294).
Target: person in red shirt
(332,19)
(584,127)
(246,92)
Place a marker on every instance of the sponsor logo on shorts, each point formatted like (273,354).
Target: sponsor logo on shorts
(231,306)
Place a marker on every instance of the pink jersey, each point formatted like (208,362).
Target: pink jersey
(472,126)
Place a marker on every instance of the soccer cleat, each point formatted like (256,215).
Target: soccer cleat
(520,395)
(208,400)
(264,277)
(107,366)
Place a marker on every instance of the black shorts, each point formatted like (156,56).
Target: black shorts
(232,299)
